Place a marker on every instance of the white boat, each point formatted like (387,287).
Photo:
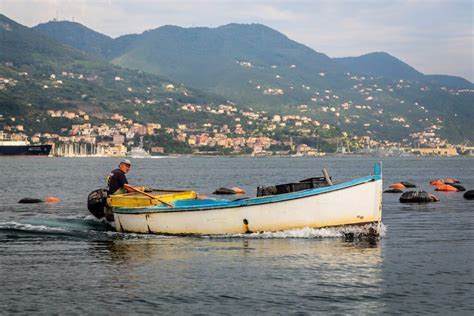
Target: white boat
(356,202)
(139,152)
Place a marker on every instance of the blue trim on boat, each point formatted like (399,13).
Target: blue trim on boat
(378,169)
(209,204)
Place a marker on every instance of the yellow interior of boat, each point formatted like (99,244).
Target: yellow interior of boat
(137,199)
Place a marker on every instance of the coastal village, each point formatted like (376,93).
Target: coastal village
(113,140)
(249,132)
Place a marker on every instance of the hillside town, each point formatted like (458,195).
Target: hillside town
(115,139)
(246,131)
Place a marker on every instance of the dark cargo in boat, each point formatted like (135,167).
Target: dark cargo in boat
(316,182)
(311,183)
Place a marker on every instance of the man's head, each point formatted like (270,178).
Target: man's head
(124,165)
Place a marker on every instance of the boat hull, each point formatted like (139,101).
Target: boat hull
(25,150)
(352,203)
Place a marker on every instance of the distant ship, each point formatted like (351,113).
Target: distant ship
(23,148)
(139,152)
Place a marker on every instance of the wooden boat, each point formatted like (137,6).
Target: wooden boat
(355,202)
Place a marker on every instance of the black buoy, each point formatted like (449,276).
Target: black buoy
(393,191)
(224,191)
(469,195)
(408,184)
(458,186)
(30,201)
(418,197)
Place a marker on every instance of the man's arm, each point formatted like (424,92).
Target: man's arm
(129,188)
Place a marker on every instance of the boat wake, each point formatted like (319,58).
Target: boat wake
(88,227)
(71,227)
(15,226)
(311,233)
(83,227)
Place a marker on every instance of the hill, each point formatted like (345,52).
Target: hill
(220,51)
(256,66)
(227,43)
(22,46)
(450,81)
(78,36)
(236,61)
(381,64)
(39,74)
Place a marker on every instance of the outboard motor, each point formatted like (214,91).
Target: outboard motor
(96,202)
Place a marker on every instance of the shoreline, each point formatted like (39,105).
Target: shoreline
(241,156)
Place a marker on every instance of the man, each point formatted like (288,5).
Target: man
(116,181)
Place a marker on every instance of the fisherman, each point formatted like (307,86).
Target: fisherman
(117,181)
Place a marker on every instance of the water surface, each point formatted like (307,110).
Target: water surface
(55,258)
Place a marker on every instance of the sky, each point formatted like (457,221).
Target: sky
(433,36)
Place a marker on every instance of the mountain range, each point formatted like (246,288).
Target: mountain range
(222,46)
(256,66)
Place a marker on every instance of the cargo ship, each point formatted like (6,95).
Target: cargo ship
(23,148)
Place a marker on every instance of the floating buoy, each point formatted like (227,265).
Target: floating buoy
(234,190)
(397,186)
(446,188)
(30,201)
(408,184)
(238,190)
(437,182)
(52,199)
(418,197)
(393,191)
(469,195)
(224,191)
(458,186)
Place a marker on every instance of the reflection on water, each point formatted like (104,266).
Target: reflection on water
(318,275)
(174,248)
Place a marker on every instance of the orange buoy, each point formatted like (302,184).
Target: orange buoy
(52,199)
(238,190)
(397,186)
(437,182)
(446,188)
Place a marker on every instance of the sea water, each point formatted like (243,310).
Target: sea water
(57,259)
